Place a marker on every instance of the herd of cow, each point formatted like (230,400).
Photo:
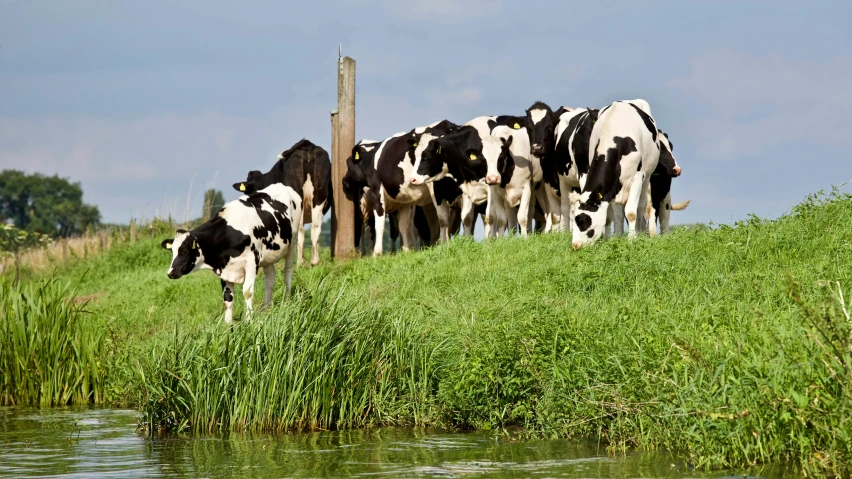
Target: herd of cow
(576,168)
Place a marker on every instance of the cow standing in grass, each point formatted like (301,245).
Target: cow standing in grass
(251,233)
(570,158)
(541,122)
(305,168)
(462,157)
(386,171)
(625,154)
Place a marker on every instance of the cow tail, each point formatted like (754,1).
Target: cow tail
(680,206)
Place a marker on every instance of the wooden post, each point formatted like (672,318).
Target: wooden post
(344,222)
(334,130)
(133,231)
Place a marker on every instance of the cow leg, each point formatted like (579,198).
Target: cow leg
(617,219)
(468,213)
(289,262)
(228,299)
(511,219)
(663,212)
(380,233)
(393,219)
(524,210)
(565,205)
(633,206)
(554,219)
(302,236)
(544,204)
(268,284)
(316,230)
(248,286)
(406,225)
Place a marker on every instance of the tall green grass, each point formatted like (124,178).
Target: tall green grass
(320,362)
(50,353)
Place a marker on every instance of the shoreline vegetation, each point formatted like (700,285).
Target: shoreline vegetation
(729,346)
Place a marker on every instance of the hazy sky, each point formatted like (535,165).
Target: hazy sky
(138,100)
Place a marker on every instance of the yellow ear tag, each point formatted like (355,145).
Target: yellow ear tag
(439,150)
(517,126)
(194,245)
(473,156)
(414,144)
(168,245)
(357,156)
(600,196)
(242,186)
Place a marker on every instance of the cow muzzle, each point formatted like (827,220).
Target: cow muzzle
(492,179)
(173,274)
(537,149)
(576,246)
(414,181)
(677,170)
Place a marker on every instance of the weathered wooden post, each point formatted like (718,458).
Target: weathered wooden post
(334,130)
(133,231)
(343,222)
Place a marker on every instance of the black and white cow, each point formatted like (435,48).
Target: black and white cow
(306,168)
(541,122)
(511,177)
(570,158)
(625,153)
(660,199)
(461,156)
(387,171)
(249,234)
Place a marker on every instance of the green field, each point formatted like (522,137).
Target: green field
(729,345)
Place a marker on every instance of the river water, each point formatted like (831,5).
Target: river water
(83,442)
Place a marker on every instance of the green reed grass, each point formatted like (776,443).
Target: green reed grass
(319,362)
(50,352)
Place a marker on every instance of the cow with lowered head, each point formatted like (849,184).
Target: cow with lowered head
(249,234)
(305,168)
(626,152)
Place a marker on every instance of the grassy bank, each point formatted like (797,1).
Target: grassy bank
(730,345)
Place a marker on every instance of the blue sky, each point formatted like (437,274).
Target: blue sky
(140,100)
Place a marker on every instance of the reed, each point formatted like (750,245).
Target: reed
(50,355)
(319,362)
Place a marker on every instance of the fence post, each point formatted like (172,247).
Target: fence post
(334,130)
(343,217)
(133,231)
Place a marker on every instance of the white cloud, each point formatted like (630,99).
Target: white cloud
(758,103)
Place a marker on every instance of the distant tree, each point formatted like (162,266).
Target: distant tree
(44,204)
(213,202)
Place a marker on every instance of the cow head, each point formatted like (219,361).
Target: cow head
(253,183)
(354,180)
(589,211)
(500,171)
(429,159)
(540,125)
(667,164)
(186,254)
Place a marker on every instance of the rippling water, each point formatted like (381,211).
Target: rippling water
(103,443)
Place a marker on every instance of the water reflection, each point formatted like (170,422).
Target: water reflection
(103,443)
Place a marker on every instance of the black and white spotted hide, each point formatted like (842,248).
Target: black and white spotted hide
(306,168)
(251,233)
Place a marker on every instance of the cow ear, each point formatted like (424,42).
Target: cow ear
(472,154)
(241,186)
(412,142)
(436,147)
(167,244)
